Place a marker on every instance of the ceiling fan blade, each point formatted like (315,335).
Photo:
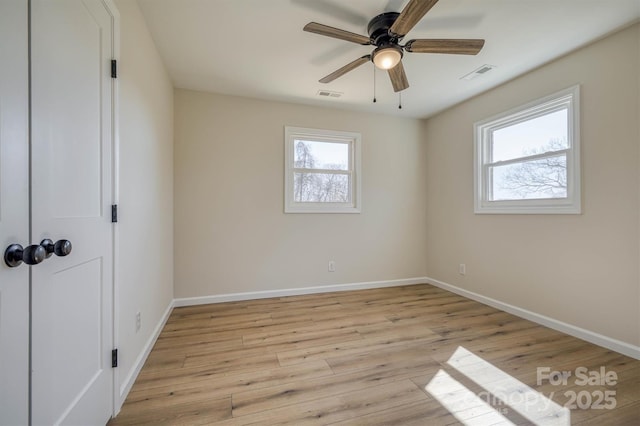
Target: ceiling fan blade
(342,71)
(325,30)
(454,46)
(410,15)
(398,78)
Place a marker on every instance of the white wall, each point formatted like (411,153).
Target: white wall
(638,121)
(145,248)
(579,269)
(231,233)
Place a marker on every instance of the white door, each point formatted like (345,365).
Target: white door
(71,190)
(14,212)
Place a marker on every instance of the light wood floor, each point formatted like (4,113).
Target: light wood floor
(394,356)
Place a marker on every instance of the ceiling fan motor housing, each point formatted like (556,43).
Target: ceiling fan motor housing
(378,29)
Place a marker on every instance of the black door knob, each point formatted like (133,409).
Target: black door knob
(14,255)
(34,254)
(48,246)
(60,248)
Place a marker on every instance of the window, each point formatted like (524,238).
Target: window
(322,171)
(527,160)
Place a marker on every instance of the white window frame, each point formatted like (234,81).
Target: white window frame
(353,139)
(483,131)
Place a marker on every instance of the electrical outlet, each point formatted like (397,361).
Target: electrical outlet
(332,266)
(462,269)
(138,321)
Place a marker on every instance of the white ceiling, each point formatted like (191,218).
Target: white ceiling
(256,48)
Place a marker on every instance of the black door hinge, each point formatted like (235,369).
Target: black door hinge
(114,68)
(114,213)
(114,358)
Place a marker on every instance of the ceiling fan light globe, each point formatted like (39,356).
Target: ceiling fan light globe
(387,57)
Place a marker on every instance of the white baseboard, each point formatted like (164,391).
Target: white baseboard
(234,297)
(581,333)
(142,357)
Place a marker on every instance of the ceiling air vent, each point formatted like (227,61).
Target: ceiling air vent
(478,72)
(329,94)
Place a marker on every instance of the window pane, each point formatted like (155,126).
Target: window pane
(535,179)
(321,188)
(321,155)
(547,133)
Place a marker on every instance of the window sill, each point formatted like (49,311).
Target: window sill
(520,208)
(321,210)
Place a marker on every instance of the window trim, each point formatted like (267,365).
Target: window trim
(569,98)
(353,139)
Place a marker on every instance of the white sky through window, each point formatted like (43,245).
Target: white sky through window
(530,136)
(328,155)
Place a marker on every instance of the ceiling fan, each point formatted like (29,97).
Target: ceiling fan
(386,31)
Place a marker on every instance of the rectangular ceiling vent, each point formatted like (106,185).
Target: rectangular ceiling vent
(329,94)
(478,72)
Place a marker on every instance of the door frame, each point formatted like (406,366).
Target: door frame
(110,5)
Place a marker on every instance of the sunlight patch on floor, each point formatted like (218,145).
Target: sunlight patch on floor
(463,404)
(505,389)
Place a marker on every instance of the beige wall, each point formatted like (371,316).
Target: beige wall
(145,248)
(231,233)
(580,269)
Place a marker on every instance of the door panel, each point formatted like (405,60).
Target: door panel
(71,139)
(14,212)
(73,102)
(82,349)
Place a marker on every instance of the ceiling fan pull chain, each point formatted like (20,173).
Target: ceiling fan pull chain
(374,84)
(399,100)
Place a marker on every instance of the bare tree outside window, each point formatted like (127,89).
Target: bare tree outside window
(303,182)
(318,185)
(534,179)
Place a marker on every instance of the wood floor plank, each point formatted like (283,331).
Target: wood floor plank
(627,415)
(353,347)
(197,347)
(332,409)
(224,384)
(294,393)
(333,311)
(380,359)
(229,363)
(236,328)
(359,357)
(235,319)
(392,330)
(208,336)
(196,412)
(326,326)
(420,413)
